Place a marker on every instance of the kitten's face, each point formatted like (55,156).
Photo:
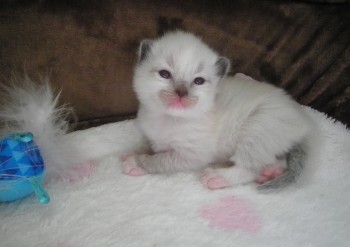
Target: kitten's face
(178,74)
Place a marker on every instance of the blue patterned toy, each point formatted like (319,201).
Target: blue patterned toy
(21,168)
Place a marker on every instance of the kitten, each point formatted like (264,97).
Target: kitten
(197,119)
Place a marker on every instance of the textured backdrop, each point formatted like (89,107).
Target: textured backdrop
(88,48)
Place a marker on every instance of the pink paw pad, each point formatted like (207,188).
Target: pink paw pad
(269,173)
(129,166)
(213,181)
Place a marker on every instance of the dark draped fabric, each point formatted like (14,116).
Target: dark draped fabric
(88,48)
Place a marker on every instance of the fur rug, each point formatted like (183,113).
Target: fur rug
(96,205)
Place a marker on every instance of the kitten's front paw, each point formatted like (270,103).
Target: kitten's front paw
(214,181)
(130,167)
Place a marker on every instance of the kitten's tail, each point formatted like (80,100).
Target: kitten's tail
(295,161)
(30,107)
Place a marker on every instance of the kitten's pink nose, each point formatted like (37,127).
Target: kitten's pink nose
(181,91)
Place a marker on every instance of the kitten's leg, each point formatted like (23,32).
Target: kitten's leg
(213,181)
(265,134)
(165,162)
(129,164)
(130,167)
(226,177)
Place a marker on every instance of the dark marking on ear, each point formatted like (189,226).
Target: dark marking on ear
(222,66)
(145,47)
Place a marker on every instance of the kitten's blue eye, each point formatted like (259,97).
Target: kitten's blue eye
(198,81)
(165,74)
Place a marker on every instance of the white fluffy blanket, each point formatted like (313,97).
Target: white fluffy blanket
(99,206)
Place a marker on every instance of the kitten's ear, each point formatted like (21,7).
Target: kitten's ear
(144,49)
(222,66)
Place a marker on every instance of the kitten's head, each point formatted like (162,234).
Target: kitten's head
(178,74)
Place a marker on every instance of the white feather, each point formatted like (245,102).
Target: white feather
(31,107)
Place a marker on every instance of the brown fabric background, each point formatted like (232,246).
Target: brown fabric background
(88,48)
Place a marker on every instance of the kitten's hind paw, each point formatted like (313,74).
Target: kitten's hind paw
(269,173)
(130,167)
(214,181)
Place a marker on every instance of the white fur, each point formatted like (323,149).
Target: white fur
(235,119)
(31,107)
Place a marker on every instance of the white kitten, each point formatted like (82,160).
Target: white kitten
(195,119)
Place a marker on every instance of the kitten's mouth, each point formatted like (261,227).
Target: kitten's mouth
(173,100)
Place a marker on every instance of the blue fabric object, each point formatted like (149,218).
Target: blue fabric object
(15,189)
(21,168)
(19,157)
